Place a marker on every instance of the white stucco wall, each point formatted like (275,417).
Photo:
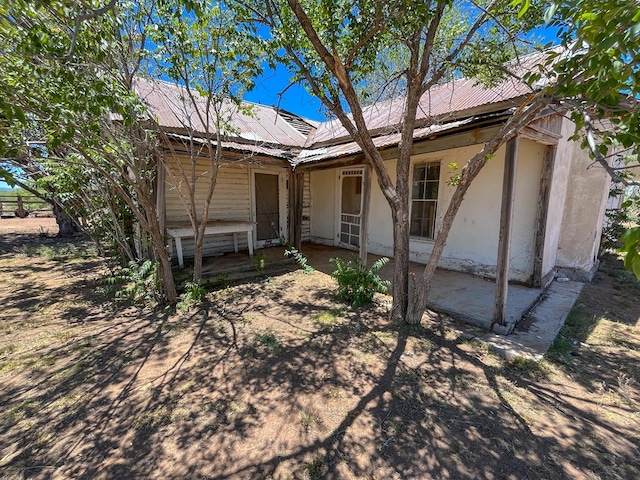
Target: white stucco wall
(584,207)
(557,197)
(472,244)
(323,208)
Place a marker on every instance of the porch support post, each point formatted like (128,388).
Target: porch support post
(364,222)
(504,239)
(296,191)
(543,210)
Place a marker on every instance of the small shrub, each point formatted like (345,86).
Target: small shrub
(357,283)
(57,253)
(193,294)
(327,318)
(259,262)
(309,419)
(618,220)
(223,279)
(137,282)
(314,468)
(300,260)
(269,340)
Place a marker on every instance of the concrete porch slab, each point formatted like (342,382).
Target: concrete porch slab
(534,335)
(471,298)
(460,295)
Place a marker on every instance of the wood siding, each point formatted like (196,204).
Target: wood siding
(306,208)
(231,201)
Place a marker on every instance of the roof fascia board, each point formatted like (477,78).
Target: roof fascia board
(463,137)
(235,156)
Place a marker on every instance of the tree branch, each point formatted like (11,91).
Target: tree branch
(599,157)
(83,17)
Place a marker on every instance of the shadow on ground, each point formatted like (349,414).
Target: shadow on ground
(276,379)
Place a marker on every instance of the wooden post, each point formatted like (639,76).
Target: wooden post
(504,240)
(299,194)
(20,211)
(364,222)
(543,210)
(296,192)
(291,202)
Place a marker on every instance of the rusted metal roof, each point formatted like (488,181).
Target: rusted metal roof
(318,154)
(263,130)
(246,148)
(442,103)
(250,123)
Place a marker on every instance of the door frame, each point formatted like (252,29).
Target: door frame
(338,202)
(282,205)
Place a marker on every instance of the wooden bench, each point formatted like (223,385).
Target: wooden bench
(217,227)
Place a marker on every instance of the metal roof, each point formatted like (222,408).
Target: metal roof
(171,108)
(450,101)
(246,148)
(315,155)
(440,103)
(259,129)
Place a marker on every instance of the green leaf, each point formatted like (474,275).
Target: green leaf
(524,8)
(588,17)
(550,12)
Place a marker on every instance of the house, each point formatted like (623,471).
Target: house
(559,197)
(308,182)
(254,177)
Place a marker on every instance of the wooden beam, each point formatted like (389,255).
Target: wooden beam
(296,192)
(364,223)
(543,210)
(298,182)
(291,202)
(540,135)
(504,239)
(444,141)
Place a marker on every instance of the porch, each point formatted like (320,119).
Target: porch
(464,296)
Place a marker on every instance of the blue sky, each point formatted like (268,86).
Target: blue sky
(295,99)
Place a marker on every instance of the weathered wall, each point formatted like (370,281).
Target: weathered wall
(557,197)
(472,244)
(231,201)
(586,199)
(323,208)
(306,208)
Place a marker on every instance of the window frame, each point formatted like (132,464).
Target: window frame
(434,201)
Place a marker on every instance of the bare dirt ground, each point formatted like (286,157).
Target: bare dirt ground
(277,379)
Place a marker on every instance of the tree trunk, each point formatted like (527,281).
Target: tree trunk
(400,284)
(197,258)
(164,264)
(67,226)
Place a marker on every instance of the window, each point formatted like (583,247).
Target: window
(424,199)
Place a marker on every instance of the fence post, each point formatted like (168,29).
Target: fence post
(20,211)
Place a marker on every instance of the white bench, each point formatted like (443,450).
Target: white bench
(217,227)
